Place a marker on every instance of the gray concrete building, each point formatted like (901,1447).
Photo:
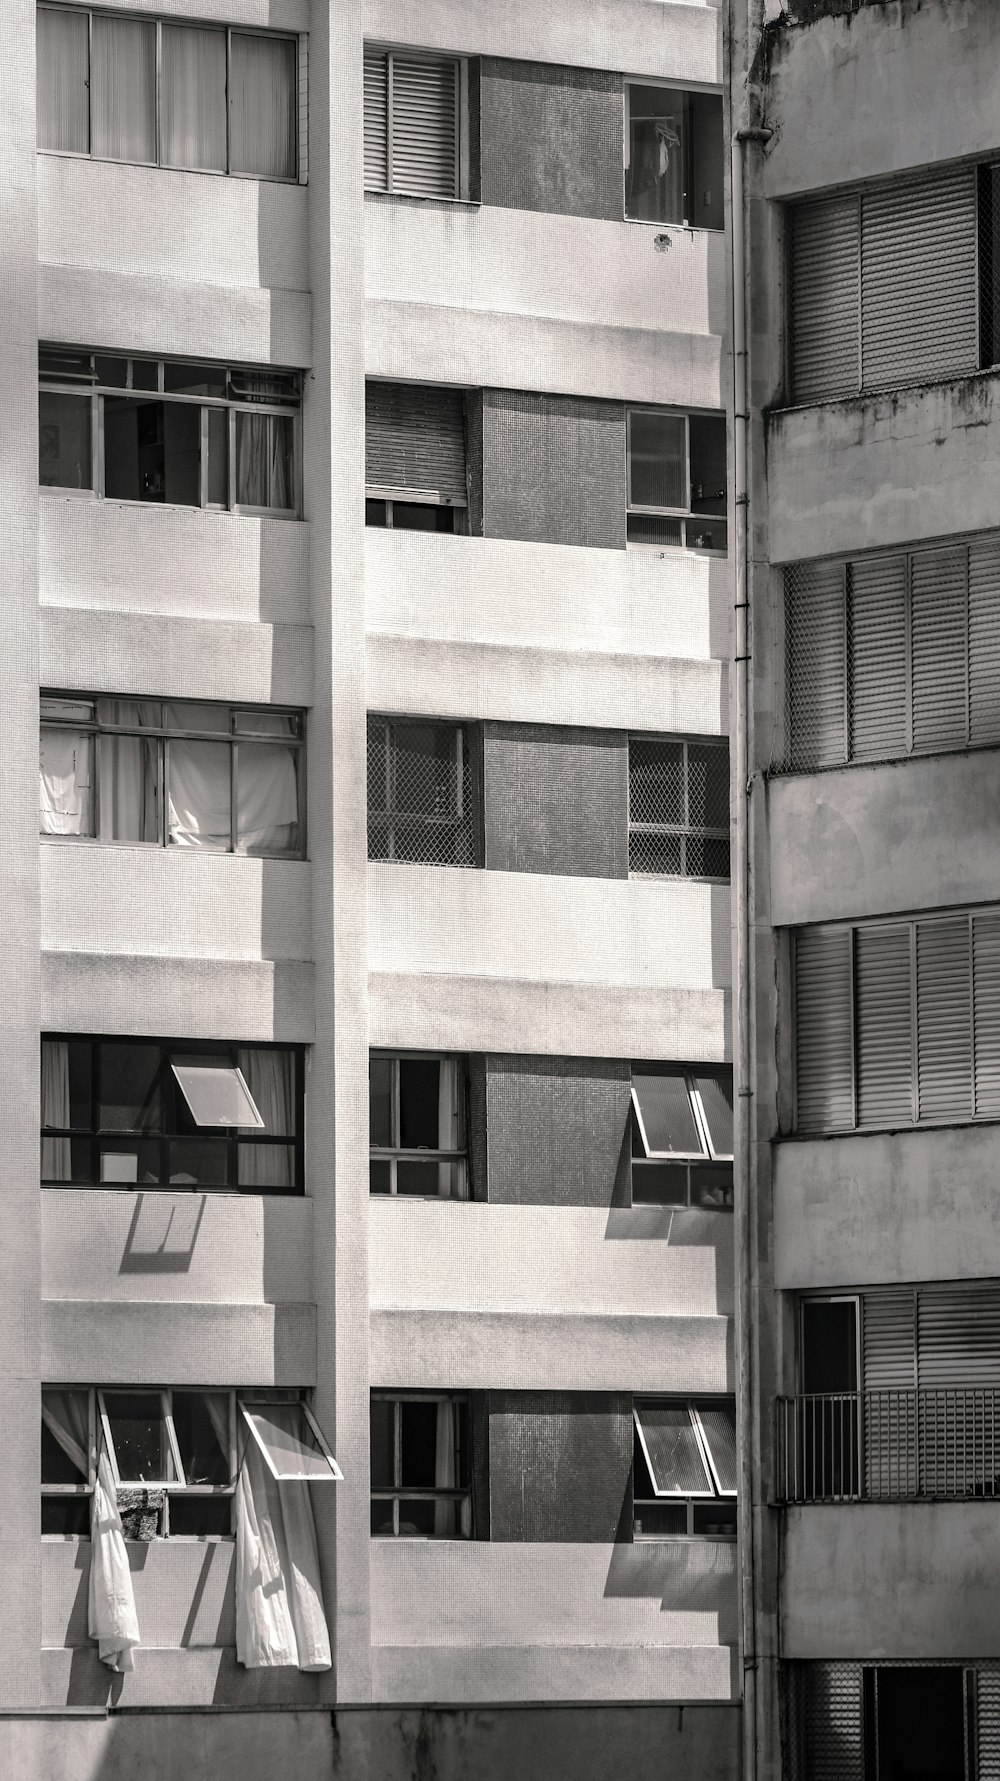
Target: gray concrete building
(366,538)
(868,916)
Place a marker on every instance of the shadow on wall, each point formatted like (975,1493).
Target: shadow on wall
(688,1576)
(163,1234)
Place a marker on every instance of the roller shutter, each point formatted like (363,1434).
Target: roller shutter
(824,293)
(939,648)
(883,990)
(984,640)
(415,440)
(823,1030)
(944,1019)
(919,297)
(816,664)
(878,658)
(986,1012)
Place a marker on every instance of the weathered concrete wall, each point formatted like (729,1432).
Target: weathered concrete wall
(555,800)
(553,469)
(550,138)
(557,1131)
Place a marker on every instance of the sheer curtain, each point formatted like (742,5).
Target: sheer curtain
(65,792)
(111,1618)
(451,1517)
(63,96)
(280,1617)
(263,459)
(127,776)
(262,82)
(267,798)
(193,97)
(123,89)
(199,801)
(449,1125)
(57,1163)
(270,1078)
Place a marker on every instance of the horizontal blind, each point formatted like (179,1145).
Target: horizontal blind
(415,439)
(816,664)
(823,1030)
(828,1706)
(376,116)
(824,296)
(958,1336)
(987,1725)
(919,299)
(883,994)
(889,1373)
(984,640)
(986,1011)
(424,125)
(878,657)
(944,1019)
(939,647)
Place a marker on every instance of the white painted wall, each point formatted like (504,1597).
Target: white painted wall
(180,998)
(148,1343)
(139,655)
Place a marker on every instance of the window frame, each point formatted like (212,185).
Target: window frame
(704,89)
(716,1494)
(162,734)
(680,1159)
(78,389)
(247,1400)
(399,1491)
(395,1153)
(684,515)
(159,20)
(233,1137)
(390,819)
(417,53)
(683,831)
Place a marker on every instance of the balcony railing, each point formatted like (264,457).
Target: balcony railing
(888,1446)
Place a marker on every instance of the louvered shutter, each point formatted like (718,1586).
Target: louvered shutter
(984,640)
(958,1347)
(883,1013)
(919,298)
(939,647)
(824,300)
(823,1030)
(958,1336)
(816,664)
(987,1725)
(877,658)
(986,1011)
(376,112)
(889,1370)
(944,1019)
(830,1722)
(424,108)
(415,439)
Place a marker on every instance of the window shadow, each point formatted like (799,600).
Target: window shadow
(163,1234)
(689,1576)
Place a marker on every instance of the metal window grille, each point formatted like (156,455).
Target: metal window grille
(888,656)
(830,1718)
(678,808)
(421,798)
(888,1446)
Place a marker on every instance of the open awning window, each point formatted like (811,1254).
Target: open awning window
(689,1449)
(682,1113)
(217,1095)
(292,1442)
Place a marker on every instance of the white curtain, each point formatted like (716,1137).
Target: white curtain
(280,1617)
(111,1618)
(262,80)
(65,792)
(199,802)
(451,1517)
(127,776)
(449,1124)
(63,88)
(263,460)
(270,1078)
(56,1154)
(123,89)
(267,799)
(193,97)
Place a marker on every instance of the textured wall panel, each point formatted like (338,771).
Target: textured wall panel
(252,1000)
(553,469)
(555,800)
(556,1129)
(551,138)
(560,1466)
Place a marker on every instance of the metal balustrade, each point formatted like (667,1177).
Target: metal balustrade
(888,1446)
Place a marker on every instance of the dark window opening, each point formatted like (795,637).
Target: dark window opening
(417,1125)
(422,794)
(421,1467)
(674,169)
(917,1721)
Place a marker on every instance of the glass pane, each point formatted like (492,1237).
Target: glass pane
(110,371)
(178,715)
(375,514)
(381,1518)
(216,1094)
(657,469)
(129,1087)
(66,1515)
(182,454)
(422,516)
(128,1162)
(128,777)
(379,1177)
(66,1083)
(193,98)
(655,781)
(63,81)
(659,1184)
(418,1444)
(264,463)
(289,1440)
(419,1080)
(217,492)
(139,1434)
(706,858)
(262,79)
(65,1425)
(706,534)
(708,463)
(145,374)
(708,786)
(654,528)
(199,800)
(717,1100)
(662,1518)
(270,1075)
(382,1418)
(64,460)
(829,1345)
(132,714)
(718,1422)
(134,449)
(267,723)
(123,89)
(267,798)
(707,150)
(79,711)
(665,1106)
(264,1166)
(417,1519)
(66,1160)
(654,177)
(717,1517)
(199,1162)
(430,1180)
(672,1451)
(66,782)
(425,769)
(200,1515)
(201,1424)
(712,1186)
(195,380)
(380,1075)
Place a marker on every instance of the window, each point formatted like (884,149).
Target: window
(893,1721)
(676,479)
(420,792)
(175,434)
(897,1023)
(678,808)
(417,1126)
(168,94)
(415,138)
(415,457)
(175,1454)
(682,1137)
(167,773)
(684,1469)
(421,1475)
(674,156)
(130,1112)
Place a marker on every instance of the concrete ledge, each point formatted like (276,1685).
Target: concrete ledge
(563,1673)
(178,998)
(191,1678)
(141,655)
(180,1343)
(160,315)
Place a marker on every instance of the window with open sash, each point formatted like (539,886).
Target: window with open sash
(684,1473)
(168,432)
(421,1471)
(415,106)
(682,1137)
(676,479)
(416,473)
(198,1115)
(674,156)
(420,792)
(162,92)
(170,773)
(417,1126)
(678,808)
(174,1454)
